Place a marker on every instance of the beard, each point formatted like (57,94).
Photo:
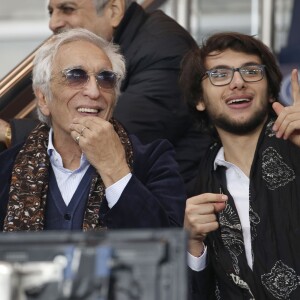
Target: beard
(239,127)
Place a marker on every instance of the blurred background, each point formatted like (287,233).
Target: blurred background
(24,26)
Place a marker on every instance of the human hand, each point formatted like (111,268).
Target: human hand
(200,218)
(102,147)
(3,128)
(287,125)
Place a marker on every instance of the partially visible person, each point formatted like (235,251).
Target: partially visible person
(243,210)
(79,169)
(151,104)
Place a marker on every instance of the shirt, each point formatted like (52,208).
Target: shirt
(238,187)
(68,180)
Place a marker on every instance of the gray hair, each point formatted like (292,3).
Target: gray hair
(100,4)
(43,61)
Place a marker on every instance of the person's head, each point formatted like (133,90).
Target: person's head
(98,16)
(76,73)
(215,92)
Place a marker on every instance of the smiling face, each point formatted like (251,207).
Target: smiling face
(70,102)
(67,14)
(239,107)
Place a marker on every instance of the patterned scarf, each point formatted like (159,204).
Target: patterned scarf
(274,207)
(29,184)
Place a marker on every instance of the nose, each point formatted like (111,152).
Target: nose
(237,81)
(56,22)
(92,89)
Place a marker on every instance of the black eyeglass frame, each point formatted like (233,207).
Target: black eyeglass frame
(88,75)
(260,66)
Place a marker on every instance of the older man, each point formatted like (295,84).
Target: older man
(79,169)
(151,105)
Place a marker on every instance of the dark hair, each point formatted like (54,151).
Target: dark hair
(193,66)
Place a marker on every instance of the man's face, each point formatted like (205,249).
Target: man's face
(69,102)
(239,107)
(67,14)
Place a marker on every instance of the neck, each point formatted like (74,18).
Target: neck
(240,149)
(69,151)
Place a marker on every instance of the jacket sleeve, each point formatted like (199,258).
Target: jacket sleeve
(155,195)
(200,284)
(151,105)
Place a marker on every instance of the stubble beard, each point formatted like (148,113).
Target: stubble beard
(239,127)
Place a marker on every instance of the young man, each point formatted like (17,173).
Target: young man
(151,104)
(244,210)
(79,169)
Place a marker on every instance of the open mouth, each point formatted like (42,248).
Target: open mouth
(88,110)
(239,101)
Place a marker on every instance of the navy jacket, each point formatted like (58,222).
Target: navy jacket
(154,196)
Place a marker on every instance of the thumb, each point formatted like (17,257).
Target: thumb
(278,107)
(219,206)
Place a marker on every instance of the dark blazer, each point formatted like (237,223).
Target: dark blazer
(151,105)
(154,196)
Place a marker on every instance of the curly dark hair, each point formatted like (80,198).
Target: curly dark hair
(193,67)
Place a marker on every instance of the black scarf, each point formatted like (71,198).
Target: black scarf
(274,219)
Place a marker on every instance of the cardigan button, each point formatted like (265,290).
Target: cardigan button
(67,216)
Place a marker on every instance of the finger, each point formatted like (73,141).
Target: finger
(292,127)
(76,137)
(199,209)
(207,198)
(278,107)
(88,121)
(295,87)
(202,218)
(287,122)
(218,207)
(201,229)
(79,129)
(281,113)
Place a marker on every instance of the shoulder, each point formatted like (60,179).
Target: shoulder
(157,156)
(151,150)
(205,171)
(7,158)
(158,33)
(160,27)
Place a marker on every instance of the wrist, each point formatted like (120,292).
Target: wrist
(196,248)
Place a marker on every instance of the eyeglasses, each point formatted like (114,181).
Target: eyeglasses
(223,76)
(78,78)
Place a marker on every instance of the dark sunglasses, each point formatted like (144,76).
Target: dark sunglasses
(78,78)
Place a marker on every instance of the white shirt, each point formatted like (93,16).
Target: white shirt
(238,187)
(68,180)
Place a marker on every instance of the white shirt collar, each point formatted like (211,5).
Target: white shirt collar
(55,157)
(220,159)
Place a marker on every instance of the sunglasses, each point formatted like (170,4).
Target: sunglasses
(78,78)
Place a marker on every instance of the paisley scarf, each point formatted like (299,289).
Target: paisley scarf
(29,184)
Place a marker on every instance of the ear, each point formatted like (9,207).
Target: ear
(200,106)
(116,11)
(42,103)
